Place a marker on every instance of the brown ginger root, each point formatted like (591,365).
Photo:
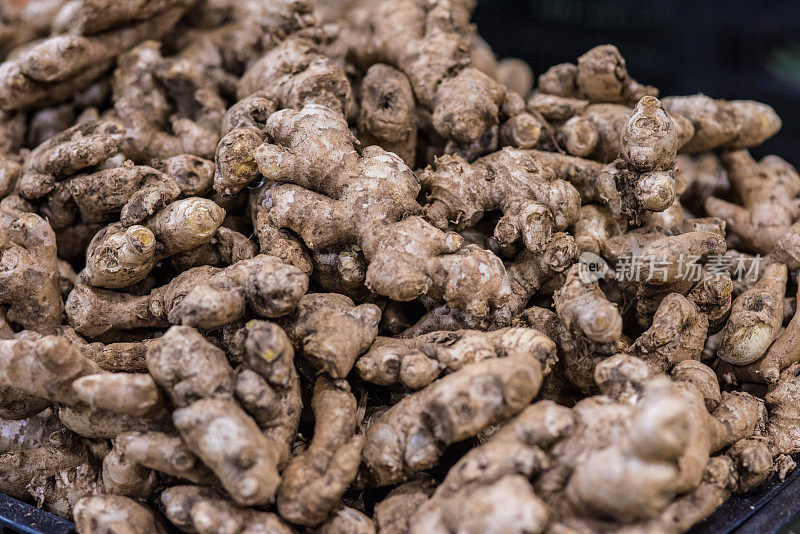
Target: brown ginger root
(134,191)
(93,312)
(600,76)
(268,386)
(29,279)
(388,112)
(585,311)
(755,320)
(533,203)
(230,443)
(782,353)
(719,123)
(314,481)
(678,333)
(656,261)
(525,276)
(498,470)
(270,287)
(416,362)
(168,105)
(316,325)
(28,433)
(122,476)
(595,225)
(407,256)
(296,73)
(409,437)
(113,513)
(768,190)
(118,257)
(202,510)
(133,394)
(46,368)
(226,248)
(52,70)
(393,514)
(782,428)
(349,521)
(188,367)
(515,74)
(430,43)
(263,284)
(164,453)
(244,126)
(643,173)
(82,146)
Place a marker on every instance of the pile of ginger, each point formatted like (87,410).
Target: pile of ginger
(274,266)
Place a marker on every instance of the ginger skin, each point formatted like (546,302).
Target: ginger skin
(316,326)
(404,441)
(205,297)
(386,231)
(315,480)
(230,443)
(533,203)
(768,189)
(416,362)
(756,317)
(29,274)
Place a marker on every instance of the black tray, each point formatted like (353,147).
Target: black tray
(16,517)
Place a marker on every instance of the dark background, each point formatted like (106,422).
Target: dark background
(726,49)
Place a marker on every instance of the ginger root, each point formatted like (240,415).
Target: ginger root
(416,362)
(313,483)
(409,437)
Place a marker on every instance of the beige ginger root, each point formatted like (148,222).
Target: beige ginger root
(782,353)
(45,367)
(407,256)
(388,112)
(29,280)
(230,443)
(678,333)
(316,326)
(188,367)
(768,190)
(498,470)
(600,76)
(202,510)
(585,311)
(533,202)
(267,385)
(203,296)
(409,437)
(719,123)
(418,361)
(314,481)
(755,320)
(113,513)
(263,284)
